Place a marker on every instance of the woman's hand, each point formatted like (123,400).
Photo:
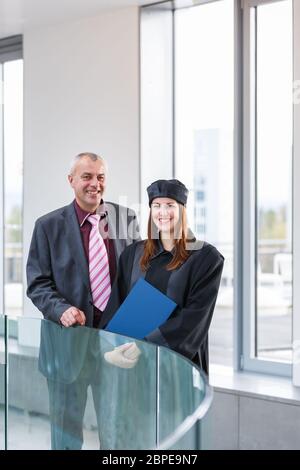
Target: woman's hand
(125,356)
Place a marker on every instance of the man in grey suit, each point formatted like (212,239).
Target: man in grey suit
(59,286)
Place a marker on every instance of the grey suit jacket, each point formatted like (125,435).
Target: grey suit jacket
(57,269)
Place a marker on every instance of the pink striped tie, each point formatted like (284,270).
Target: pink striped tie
(98,265)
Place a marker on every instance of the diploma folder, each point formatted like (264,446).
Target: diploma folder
(144,309)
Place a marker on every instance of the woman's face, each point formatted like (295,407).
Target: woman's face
(165,214)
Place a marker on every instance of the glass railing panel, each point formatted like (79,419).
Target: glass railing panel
(2,382)
(184,396)
(128,408)
(61,386)
(69,388)
(27,401)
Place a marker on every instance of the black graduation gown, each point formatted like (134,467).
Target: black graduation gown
(193,286)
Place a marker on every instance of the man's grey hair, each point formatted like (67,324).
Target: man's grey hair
(93,156)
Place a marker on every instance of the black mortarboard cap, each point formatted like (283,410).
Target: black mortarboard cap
(173,189)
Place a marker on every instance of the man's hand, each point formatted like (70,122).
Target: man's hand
(125,356)
(71,316)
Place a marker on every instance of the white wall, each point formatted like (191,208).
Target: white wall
(81,93)
(156,101)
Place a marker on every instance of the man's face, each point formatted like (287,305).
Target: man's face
(88,181)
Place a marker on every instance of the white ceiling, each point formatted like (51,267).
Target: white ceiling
(18,15)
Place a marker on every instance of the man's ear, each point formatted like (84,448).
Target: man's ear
(70,178)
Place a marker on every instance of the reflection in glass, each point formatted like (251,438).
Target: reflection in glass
(67,391)
(204,103)
(2,383)
(63,394)
(274,181)
(180,395)
(13,184)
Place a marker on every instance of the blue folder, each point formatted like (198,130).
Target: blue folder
(144,309)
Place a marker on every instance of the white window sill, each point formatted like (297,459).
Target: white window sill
(269,387)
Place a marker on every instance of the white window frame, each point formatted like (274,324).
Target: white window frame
(296,198)
(11,48)
(247,359)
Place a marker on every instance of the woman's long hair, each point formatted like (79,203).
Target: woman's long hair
(180,252)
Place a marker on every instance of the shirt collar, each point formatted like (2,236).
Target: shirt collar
(82,215)
(160,249)
(102,210)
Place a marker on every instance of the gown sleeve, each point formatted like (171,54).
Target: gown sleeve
(187,328)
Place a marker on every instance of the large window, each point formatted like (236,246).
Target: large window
(11,67)
(204,111)
(269,320)
(229,67)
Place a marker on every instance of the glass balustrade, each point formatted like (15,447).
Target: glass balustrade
(72,388)
(184,396)
(2,382)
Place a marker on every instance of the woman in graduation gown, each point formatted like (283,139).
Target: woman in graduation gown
(186,270)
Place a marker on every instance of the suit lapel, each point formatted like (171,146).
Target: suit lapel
(112,218)
(113,224)
(137,272)
(75,243)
